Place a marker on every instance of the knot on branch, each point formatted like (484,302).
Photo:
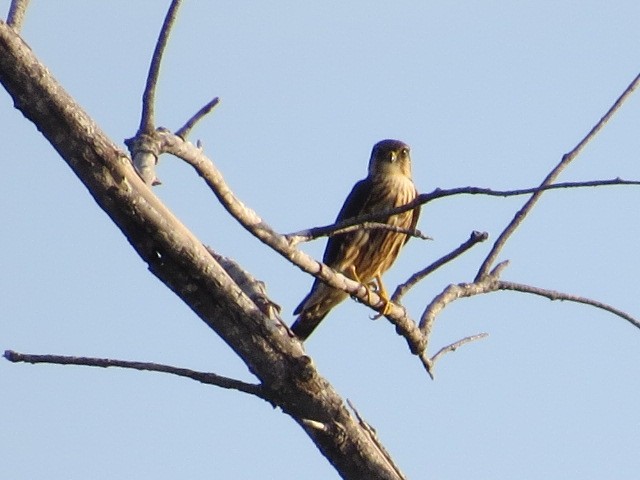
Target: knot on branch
(145,150)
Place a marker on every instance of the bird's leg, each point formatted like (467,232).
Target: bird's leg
(355,276)
(384,296)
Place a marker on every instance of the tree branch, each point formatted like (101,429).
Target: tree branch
(179,260)
(403,288)
(566,159)
(147,120)
(486,284)
(452,348)
(184,131)
(252,222)
(338,229)
(439,193)
(202,377)
(17,11)
(554,295)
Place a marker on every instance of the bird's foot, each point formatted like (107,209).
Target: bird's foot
(384,297)
(354,275)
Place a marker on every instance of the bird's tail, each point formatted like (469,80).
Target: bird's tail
(307,323)
(315,307)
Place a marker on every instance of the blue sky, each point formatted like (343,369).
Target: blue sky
(487,94)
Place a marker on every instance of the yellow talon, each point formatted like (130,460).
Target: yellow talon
(384,296)
(380,290)
(355,276)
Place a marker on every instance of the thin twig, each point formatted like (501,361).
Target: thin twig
(566,159)
(147,121)
(554,295)
(374,438)
(17,11)
(183,132)
(441,193)
(403,288)
(202,377)
(426,363)
(336,229)
(453,347)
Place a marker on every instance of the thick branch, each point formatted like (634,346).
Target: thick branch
(180,260)
(250,220)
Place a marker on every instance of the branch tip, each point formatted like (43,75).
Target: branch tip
(183,132)
(147,120)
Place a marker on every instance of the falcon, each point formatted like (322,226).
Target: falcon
(364,255)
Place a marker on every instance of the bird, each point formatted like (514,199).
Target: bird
(364,255)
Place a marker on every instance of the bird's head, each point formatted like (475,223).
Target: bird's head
(390,157)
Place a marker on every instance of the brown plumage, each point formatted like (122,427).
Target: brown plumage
(364,255)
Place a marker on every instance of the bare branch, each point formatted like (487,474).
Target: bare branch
(145,151)
(17,11)
(202,377)
(554,295)
(441,193)
(403,288)
(438,193)
(255,289)
(252,222)
(183,132)
(453,347)
(566,159)
(374,438)
(147,121)
(486,284)
(429,364)
(426,363)
(338,229)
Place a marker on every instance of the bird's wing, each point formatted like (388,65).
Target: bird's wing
(352,207)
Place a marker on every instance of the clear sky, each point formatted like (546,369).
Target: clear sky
(487,94)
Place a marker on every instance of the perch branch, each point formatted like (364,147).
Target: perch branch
(250,220)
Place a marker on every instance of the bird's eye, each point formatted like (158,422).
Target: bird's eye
(404,152)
